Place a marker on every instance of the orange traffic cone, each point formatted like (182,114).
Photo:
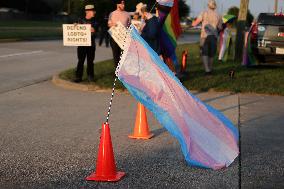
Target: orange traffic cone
(105,168)
(184,61)
(141,129)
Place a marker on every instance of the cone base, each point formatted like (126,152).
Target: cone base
(141,137)
(117,177)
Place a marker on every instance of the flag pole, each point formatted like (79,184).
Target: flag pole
(110,103)
(153,7)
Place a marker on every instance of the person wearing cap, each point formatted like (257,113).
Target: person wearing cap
(87,51)
(136,22)
(119,15)
(150,31)
(211,24)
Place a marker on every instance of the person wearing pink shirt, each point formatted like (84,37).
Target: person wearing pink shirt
(211,24)
(119,15)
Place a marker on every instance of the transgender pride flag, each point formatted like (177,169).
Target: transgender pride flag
(207,138)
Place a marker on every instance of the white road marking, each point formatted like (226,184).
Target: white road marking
(19,54)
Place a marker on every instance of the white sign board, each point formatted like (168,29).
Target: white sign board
(77,35)
(119,34)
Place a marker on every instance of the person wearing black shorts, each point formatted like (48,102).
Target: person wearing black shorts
(211,24)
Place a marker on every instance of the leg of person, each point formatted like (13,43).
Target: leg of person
(205,60)
(101,38)
(212,51)
(202,41)
(116,51)
(81,54)
(90,63)
(107,39)
(204,53)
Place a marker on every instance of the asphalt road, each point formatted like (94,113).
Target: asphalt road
(26,63)
(49,136)
(49,139)
(188,38)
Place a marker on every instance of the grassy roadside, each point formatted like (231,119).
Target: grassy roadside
(262,79)
(104,75)
(21,30)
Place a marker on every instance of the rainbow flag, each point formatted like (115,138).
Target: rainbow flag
(248,57)
(171,30)
(207,138)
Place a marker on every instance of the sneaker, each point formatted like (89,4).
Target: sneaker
(208,73)
(77,80)
(91,78)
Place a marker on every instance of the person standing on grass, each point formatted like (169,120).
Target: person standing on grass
(87,51)
(150,31)
(104,35)
(211,24)
(119,15)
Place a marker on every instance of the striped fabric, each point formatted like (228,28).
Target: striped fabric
(170,32)
(207,138)
(248,57)
(168,3)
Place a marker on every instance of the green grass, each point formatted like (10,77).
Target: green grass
(29,23)
(30,29)
(104,75)
(261,79)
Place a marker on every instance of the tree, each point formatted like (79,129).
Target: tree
(33,6)
(235,11)
(275,6)
(242,20)
(184,9)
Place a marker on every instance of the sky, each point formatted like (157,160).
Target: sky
(255,6)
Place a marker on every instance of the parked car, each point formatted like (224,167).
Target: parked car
(267,38)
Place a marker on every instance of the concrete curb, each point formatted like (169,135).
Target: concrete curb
(81,87)
(29,39)
(9,40)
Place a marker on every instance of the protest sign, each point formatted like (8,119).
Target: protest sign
(119,34)
(76,34)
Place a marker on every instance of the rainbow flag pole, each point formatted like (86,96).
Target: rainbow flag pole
(171,30)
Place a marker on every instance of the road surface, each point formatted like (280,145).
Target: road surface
(49,136)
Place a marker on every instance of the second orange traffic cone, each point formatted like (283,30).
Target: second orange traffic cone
(184,61)
(141,129)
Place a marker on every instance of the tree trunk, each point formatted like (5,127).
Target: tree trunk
(276,6)
(241,29)
(27,7)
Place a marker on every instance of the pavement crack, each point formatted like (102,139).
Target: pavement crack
(34,82)
(240,144)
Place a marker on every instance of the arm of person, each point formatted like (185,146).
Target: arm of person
(198,20)
(110,23)
(129,20)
